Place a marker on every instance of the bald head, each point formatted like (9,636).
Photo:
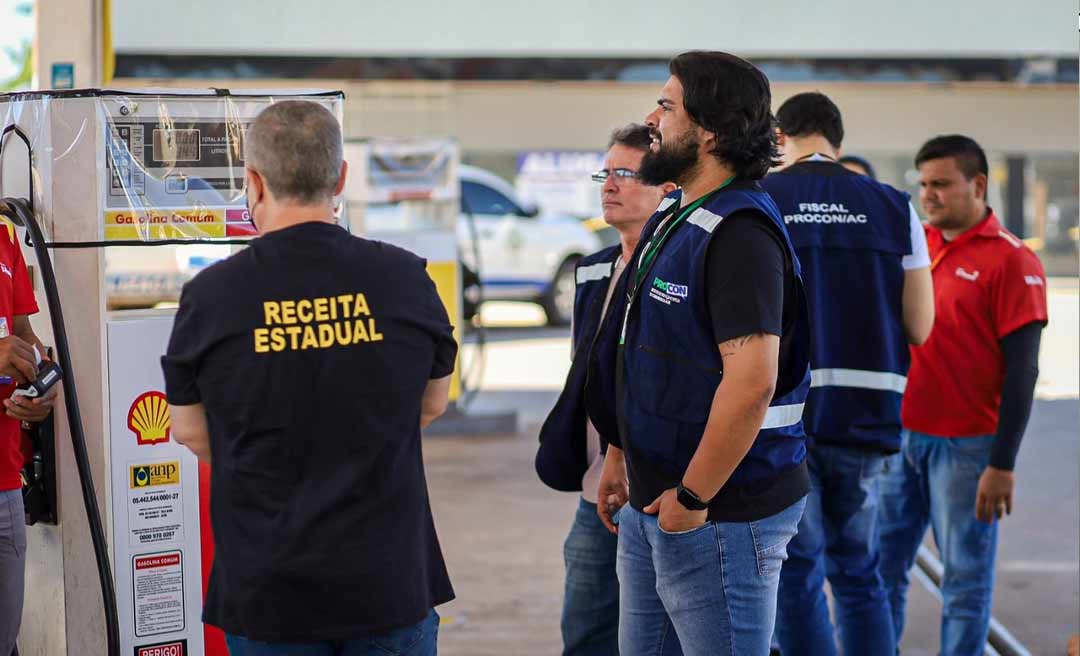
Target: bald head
(295,145)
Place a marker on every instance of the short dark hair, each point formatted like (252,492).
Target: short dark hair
(296,146)
(730,97)
(635,135)
(861,162)
(969,155)
(810,113)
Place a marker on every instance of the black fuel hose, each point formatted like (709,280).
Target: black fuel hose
(19,210)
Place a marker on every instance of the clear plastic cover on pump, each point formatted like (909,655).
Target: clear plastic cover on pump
(403,185)
(126,169)
(137,166)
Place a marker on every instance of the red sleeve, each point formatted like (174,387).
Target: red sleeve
(1019,292)
(22,292)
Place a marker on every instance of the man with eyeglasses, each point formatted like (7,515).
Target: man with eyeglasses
(574,436)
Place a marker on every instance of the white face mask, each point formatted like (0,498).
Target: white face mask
(250,208)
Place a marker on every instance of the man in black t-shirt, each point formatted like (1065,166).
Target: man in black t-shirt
(302,369)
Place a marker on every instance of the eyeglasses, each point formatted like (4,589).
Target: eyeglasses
(622,175)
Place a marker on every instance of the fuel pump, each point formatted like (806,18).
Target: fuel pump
(108,180)
(407,191)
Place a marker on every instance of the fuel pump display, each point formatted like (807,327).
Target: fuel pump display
(120,184)
(189,175)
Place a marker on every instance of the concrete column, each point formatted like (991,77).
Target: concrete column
(63,611)
(69,31)
(1015,191)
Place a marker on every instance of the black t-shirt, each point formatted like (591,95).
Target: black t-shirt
(751,286)
(749,278)
(310,351)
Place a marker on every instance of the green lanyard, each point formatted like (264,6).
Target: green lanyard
(652,249)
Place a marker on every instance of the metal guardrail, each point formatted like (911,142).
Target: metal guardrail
(1000,642)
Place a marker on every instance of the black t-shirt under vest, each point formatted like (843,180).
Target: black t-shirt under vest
(310,351)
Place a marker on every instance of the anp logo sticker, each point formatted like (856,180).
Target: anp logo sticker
(162,473)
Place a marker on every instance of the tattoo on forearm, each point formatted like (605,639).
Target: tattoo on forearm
(733,346)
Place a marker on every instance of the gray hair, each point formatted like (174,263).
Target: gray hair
(634,135)
(295,145)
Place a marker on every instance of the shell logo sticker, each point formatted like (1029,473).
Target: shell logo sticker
(149,418)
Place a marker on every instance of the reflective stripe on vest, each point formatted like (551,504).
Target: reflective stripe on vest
(779,416)
(593,272)
(704,219)
(666,203)
(872,380)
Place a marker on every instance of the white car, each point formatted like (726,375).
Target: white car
(145,276)
(525,255)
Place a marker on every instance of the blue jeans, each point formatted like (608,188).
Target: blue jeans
(590,615)
(12,567)
(934,480)
(416,640)
(710,591)
(837,539)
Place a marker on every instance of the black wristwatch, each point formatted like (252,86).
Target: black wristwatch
(689,499)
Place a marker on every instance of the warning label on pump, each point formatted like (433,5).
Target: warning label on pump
(159,224)
(155,503)
(157,582)
(171,648)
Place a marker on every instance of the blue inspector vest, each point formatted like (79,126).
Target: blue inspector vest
(672,364)
(561,460)
(851,234)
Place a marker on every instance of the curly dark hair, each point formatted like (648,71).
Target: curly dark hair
(730,97)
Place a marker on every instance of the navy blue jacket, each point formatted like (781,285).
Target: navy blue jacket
(851,234)
(672,366)
(561,460)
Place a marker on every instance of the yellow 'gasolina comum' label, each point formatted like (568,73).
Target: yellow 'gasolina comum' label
(316,323)
(161,224)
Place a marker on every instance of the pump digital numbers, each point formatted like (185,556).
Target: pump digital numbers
(125,161)
(176,145)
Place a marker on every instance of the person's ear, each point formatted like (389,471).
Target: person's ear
(980,182)
(254,185)
(340,188)
(669,187)
(708,139)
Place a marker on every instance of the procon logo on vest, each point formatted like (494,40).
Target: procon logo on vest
(667,293)
(671,288)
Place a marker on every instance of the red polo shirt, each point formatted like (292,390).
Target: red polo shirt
(16,298)
(987,283)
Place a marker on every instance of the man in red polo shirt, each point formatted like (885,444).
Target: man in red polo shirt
(968,397)
(18,362)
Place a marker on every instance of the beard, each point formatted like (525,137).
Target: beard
(672,163)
